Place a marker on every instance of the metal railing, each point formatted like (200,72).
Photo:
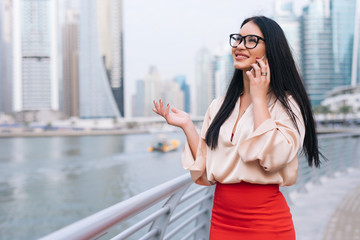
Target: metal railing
(185,212)
(180,209)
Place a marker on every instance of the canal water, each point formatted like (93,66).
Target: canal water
(49,182)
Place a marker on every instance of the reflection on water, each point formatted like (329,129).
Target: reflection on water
(47,183)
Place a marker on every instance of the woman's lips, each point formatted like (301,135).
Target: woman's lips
(240,56)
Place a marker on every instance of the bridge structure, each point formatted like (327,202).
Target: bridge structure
(324,203)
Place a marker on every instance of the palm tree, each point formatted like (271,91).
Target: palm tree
(321,109)
(345,109)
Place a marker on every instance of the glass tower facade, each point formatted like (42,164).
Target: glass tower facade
(342,24)
(35,60)
(317,53)
(96,97)
(327,32)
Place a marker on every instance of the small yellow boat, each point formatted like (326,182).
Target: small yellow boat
(165,146)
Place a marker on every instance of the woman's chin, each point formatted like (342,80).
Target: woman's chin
(242,67)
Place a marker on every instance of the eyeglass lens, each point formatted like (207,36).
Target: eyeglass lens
(249,41)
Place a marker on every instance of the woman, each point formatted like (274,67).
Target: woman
(250,139)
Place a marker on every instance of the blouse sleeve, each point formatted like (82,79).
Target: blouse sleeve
(197,166)
(275,142)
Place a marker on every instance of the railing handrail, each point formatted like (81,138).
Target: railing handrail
(337,135)
(174,190)
(97,223)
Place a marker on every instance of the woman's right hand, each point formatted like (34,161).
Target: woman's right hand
(177,118)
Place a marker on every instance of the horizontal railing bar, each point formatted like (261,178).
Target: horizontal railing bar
(338,135)
(131,230)
(194,204)
(193,231)
(192,193)
(100,221)
(183,224)
(151,233)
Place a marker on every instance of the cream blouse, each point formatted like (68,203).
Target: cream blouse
(267,155)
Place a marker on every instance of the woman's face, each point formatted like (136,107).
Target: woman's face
(242,56)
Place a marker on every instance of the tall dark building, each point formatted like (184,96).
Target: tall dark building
(111,47)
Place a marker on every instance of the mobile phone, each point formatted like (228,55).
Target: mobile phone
(262,58)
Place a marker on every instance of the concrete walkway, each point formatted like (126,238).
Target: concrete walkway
(345,222)
(329,211)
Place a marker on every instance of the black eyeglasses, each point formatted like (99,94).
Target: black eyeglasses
(250,41)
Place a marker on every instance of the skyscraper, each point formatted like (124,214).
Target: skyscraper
(317,52)
(111,46)
(223,69)
(138,99)
(35,56)
(181,80)
(153,87)
(204,80)
(328,44)
(342,25)
(96,97)
(290,23)
(1,61)
(6,74)
(355,71)
(70,49)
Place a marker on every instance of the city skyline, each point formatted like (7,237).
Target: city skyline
(167,42)
(189,29)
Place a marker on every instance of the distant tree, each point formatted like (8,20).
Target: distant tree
(345,110)
(321,109)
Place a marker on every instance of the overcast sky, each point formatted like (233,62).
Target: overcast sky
(168,34)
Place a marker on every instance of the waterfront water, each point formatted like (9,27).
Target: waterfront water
(48,183)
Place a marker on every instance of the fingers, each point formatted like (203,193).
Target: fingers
(257,70)
(264,68)
(174,110)
(156,110)
(159,109)
(167,111)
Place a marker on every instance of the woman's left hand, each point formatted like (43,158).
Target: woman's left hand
(259,80)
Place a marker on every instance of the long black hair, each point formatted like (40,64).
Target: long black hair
(285,80)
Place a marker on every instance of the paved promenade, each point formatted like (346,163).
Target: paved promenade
(330,211)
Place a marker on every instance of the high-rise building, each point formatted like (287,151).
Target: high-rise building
(138,99)
(70,58)
(6,74)
(328,46)
(223,69)
(1,62)
(96,97)
(153,87)
(317,52)
(181,80)
(342,25)
(290,23)
(35,56)
(109,14)
(355,71)
(204,80)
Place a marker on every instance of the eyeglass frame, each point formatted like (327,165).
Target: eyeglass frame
(243,38)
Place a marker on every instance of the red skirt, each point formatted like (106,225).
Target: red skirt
(251,212)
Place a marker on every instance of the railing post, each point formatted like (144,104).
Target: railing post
(356,153)
(301,181)
(343,167)
(161,223)
(329,165)
(203,233)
